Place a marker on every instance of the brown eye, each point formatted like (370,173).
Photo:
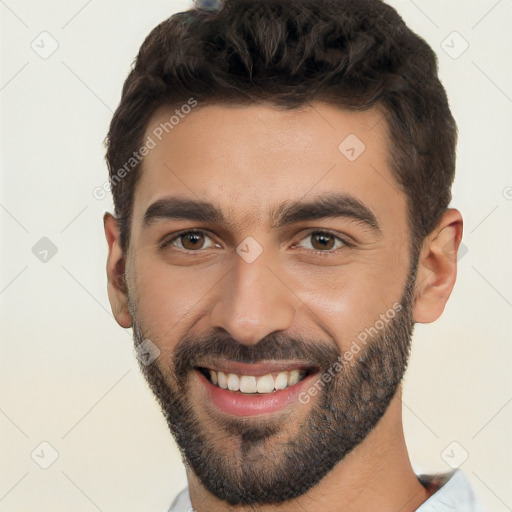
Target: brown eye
(192,241)
(323,241)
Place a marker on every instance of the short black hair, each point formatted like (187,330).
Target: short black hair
(355,54)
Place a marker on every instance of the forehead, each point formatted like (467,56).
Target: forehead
(250,159)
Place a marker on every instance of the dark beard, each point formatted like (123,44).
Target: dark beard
(266,466)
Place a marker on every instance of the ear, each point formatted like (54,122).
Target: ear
(117,291)
(437,267)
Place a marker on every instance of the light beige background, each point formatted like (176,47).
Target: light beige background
(68,374)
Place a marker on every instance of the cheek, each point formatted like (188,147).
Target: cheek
(171,298)
(353,298)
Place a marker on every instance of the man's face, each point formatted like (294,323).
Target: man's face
(270,288)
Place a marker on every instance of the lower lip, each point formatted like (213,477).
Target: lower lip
(240,404)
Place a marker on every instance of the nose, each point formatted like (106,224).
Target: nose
(254,301)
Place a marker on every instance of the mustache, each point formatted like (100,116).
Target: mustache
(191,352)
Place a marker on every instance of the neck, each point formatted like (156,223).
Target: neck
(375,477)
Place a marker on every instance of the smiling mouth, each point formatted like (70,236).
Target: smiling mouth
(255,384)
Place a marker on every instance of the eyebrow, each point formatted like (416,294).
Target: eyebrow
(330,205)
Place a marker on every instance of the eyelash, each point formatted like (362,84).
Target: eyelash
(330,252)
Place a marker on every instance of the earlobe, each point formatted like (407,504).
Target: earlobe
(117,291)
(437,267)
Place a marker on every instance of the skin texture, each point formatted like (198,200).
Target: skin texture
(247,160)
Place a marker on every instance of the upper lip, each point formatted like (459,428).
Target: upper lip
(257,369)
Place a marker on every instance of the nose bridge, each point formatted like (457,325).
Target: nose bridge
(253,302)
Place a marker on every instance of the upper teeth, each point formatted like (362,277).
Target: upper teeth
(251,384)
